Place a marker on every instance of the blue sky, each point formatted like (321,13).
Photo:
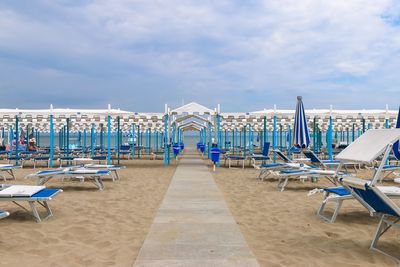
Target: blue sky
(245,55)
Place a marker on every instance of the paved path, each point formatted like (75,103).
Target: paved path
(193,226)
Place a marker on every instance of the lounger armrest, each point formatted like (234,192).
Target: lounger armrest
(354,182)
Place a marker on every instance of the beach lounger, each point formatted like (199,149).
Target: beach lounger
(302,173)
(113,169)
(236,158)
(378,204)
(389,169)
(263,156)
(99,158)
(33,195)
(37,159)
(21,159)
(8,169)
(339,194)
(327,163)
(3,214)
(66,159)
(365,149)
(93,175)
(157,154)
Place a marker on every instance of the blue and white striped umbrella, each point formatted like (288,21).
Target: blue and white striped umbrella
(396,150)
(301,138)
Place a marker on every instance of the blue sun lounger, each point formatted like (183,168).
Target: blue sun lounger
(41,196)
(273,168)
(263,156)
(327,163)
(365,149)
(378,204)
(302,173)
(3,214)
(8,169)
(93,175)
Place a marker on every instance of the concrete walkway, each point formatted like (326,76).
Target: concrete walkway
(193,226)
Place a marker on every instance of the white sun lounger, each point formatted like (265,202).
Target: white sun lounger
(93,175)
(269,169)
(31,194)
(8,169)
(365,149)
(302,173)
(112,168)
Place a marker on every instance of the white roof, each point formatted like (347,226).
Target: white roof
(192,108)
(369,146)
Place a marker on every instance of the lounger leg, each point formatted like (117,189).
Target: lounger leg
(47,207)
(4,177)
(99,183)
(260,174)
(116,175)
(320,211)
(282,184)
(383,226)
(34,211)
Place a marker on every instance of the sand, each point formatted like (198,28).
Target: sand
(89,227)
(282,229)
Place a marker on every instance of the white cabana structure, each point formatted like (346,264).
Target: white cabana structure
(161,130)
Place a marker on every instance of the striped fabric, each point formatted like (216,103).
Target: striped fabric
(396,150)
(301,138)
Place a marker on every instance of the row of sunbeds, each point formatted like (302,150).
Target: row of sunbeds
(39,195)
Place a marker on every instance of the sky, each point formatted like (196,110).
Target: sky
(248,55)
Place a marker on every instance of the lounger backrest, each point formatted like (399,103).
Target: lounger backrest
(371,197)
(265,150)
(314,159)
(283,156)
(369,146)
(378,201)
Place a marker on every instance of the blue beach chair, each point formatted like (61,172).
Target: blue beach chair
(327,163)
(263,156)
(372,145)
(378,204)
(267,169)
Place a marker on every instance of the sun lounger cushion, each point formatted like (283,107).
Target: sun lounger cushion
(341,191)
(46,193)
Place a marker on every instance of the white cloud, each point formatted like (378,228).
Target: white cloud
(274,47)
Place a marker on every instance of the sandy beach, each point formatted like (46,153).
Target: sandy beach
(89,227)
(282,229)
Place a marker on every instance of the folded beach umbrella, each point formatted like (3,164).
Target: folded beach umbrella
(396,151)
(301,137)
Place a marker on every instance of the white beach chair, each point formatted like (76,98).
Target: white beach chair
(113,169)
(31,194)
(8,169)
(80,173)
(365,149)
